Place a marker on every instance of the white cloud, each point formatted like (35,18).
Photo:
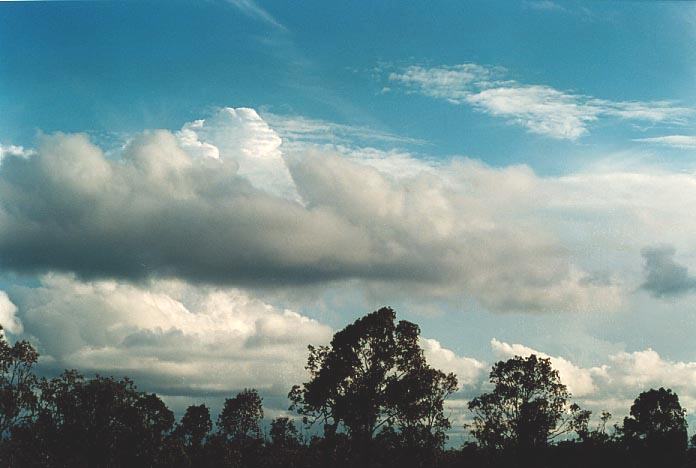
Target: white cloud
(253,10)
(200,341)
(540,109)
(578,380)
(674,141)
(469,371)
(614,384)
(8,315)
(240,211)
(303,130)
(247,210)
(13,150)
(242,136)
(174,337)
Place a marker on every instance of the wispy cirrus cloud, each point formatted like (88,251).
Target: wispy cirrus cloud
(672,141)
(297,128)
(541,109)
(252,9)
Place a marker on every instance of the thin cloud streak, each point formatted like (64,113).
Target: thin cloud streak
(541,109)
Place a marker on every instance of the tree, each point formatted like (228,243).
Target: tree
(656,430)
(96,422)
(17,383)
(284,433)
(285,445)
(195,425)
(239,441)
(241,416)
(527,408)
(191,433)
(373,375)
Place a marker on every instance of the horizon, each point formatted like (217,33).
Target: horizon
(193,192)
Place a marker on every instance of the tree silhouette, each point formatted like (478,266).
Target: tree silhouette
(372,376)
(239,429)
(195,425)
(241,416)
(285,445)
(192,431)
(284,433)
(97,422)
(380,402)
(527,408)
(17,383)
(656,428)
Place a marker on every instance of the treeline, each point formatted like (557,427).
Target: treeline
(371,400)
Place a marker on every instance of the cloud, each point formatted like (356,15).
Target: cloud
(180,339)
(222,202)
(469,371)
(614,384)
(673,141)
(172,337)
(544,5)
(253,10)
(242,136)
(664,276)
(191,341)
(540,109)
(8,315)
(578,380)
(12,150)
(303,130)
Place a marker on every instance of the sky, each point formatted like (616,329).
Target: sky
(193,192)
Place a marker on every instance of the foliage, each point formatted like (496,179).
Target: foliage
(527,408)
(381,404)
(17,382)
(656,428)
(374,375)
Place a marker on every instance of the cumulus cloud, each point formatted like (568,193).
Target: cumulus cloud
(469,371)
(220,202)
(614,384)
(578,380)
(242,136)
(8,315)
(173,337)
(664,276)
(195,341)
(540,109)
(13,150)
(180,339)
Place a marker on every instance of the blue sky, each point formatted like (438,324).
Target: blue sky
(123,66)
(513,176)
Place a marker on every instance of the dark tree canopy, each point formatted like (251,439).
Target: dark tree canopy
(656,427)
(527,408)
(374,375)
(284,433)
(381,404)
(17,381)
(195,425)
(241,416)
